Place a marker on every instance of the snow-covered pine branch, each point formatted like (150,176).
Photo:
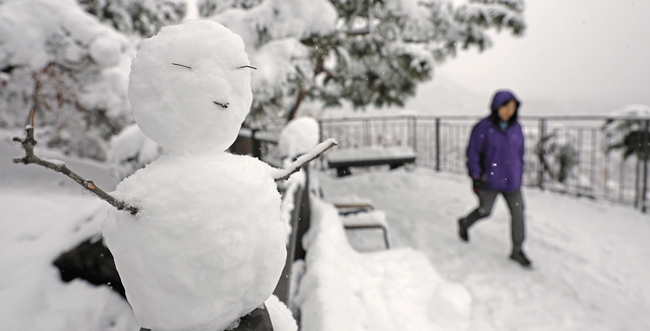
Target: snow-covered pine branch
(363,52)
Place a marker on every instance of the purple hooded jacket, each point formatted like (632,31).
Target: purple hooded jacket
(494,155)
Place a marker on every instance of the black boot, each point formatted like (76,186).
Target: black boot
(462,230)
(521,258)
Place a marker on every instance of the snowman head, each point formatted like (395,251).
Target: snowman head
(189,87)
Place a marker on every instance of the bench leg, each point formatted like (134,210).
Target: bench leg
(386,237)
(343,171)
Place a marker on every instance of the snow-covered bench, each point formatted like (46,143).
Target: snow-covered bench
(357,214)
(343,159)
(396,289)
(368,220)
(351,204)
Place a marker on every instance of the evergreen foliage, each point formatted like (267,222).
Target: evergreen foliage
(64,64)
(627,136)
(379,50)
(142,17)
(208,8)
(72,70)
(557,156)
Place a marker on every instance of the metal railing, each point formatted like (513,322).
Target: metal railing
(570,154)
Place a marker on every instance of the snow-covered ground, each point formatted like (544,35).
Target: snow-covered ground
(590,257)
(42,214)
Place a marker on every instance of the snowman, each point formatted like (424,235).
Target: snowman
(208,243)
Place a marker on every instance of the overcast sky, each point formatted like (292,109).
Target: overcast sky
(586,50)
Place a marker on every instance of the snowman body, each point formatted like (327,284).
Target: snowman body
(208,243)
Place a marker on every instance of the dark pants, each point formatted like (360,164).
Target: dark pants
(516,206)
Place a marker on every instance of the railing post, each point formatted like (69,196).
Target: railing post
(366,133)
(645,151)
(283,289)
(637,176)
(415,134)
(437,143)
(541,149)
(320,139)
(304,219)
(256,144)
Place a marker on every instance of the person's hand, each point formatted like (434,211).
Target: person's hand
(477,183)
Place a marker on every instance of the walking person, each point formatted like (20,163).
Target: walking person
(495,162)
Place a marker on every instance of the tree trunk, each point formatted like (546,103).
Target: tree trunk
(294,110)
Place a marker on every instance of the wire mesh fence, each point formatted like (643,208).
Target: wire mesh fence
(598,157)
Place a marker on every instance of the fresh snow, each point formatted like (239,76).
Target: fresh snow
(206,247)
(37,33)
(42,214)
(391,290)
(370,152)
(56,162)
(26,27)
(208,242)
(185,98)
(298,137)
(131,150)
(280,315)
(589,257)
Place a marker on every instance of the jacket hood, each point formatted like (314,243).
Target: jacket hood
(500,98)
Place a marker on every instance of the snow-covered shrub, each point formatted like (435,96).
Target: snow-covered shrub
(298,137)
(131,150)
(142,17)
(557,156)
(70,68)
(627,134)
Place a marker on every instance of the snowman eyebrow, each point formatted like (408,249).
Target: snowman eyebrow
(247,67)
(181,65)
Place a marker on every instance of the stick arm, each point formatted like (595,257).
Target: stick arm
(28,145)
(318,150)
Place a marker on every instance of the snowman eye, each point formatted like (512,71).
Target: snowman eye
(181,65)
(224,105)
(247,67)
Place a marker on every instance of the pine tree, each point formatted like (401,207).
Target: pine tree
(62,62)
(628,134)
(375,52)
(142,17)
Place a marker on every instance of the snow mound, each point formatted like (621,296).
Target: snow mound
(298,137)
(190,88)
(203,250)
(280,315)
(390,290)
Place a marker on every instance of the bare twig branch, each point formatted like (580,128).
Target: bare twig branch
(181,65)
(282,174)
(28,144)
